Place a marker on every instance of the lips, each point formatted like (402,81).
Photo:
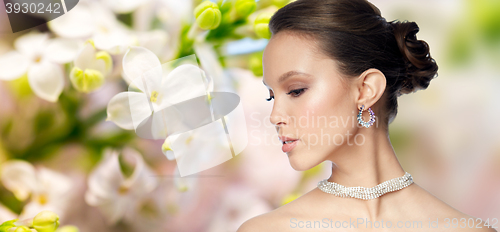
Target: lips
(291,143)
(284,139)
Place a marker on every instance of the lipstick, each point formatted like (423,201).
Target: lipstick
(288,143)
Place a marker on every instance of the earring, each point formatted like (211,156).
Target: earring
(360,117)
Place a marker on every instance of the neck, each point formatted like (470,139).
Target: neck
(366,165)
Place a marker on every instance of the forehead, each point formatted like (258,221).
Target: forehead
(289,52)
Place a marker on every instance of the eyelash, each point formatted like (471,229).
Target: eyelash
(296,91)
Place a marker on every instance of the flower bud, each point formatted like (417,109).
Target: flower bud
(46,221)
(224,5)
(108,61)
(245,7)
(86,81)
(256,64)
(21,86)
(261,25)
(208,15)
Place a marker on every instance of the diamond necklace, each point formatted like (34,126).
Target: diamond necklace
(363,192)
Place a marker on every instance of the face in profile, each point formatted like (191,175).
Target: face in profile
(312,102)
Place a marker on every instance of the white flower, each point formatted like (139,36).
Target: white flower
(154,40)
(6,214)
(197,150)
(19,177)
(155,89)
(178,105)
(49,190)
(39,57)
(112,192)
(90,68)
(93,20)
(218,140)
(124,6)
(210,62)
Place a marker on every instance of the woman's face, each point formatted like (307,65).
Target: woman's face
(312,102)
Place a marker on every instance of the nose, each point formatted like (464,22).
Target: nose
(277,118)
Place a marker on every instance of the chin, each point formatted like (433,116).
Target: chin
(300,161)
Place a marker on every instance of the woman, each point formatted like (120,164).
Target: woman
(328,60)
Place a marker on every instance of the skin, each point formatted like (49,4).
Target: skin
(360,156)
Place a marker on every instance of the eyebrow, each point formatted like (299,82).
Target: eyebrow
(288,74)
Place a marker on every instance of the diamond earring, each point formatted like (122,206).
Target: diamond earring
(360,117)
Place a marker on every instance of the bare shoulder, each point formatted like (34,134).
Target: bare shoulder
(449,218)
(423,207)
(254,224)
(275,220)
(286,217)
(263,222)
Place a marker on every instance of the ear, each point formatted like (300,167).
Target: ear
(371,86)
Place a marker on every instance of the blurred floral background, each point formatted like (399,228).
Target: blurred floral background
(66,147)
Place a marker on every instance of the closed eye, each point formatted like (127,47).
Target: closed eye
(297,92)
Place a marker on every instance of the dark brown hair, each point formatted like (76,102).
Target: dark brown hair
(354,33)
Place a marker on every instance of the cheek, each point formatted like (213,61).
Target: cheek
(322,123)
(326,121)
(329,111)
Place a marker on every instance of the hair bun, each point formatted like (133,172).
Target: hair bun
(420,67)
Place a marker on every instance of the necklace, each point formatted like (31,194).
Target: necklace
(363,192)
